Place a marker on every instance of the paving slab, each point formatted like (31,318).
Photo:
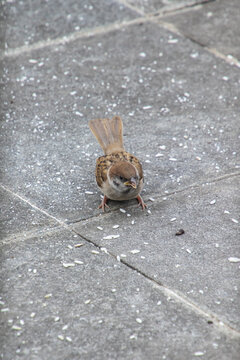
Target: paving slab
(150,6)
(215,25)
(179,104)
(18,219)
(100,309)
(201,262)
(24,22)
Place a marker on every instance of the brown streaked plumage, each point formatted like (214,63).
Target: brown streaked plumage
(119,174)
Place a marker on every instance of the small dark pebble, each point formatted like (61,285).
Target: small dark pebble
(180,232)
(210,322)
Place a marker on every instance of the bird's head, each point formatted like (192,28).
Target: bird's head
(123,176)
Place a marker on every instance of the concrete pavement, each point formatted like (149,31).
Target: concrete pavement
(80,284)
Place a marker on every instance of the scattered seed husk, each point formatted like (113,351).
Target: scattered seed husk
(104,250)
(78,245)
(67,265)
(110,237)
(135,251)
(234,259)
(78,262)
(4,309)
(95,252)
(48,296)
(16,327)
(198,353)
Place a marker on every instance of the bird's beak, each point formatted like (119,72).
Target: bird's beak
(131,183)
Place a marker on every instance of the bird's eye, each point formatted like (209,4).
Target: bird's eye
(121,178)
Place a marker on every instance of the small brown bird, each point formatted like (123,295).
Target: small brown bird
(119,174)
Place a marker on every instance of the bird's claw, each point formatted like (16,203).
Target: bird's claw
(141,202)
(104,203)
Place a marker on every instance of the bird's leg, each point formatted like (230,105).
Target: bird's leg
(141,202)
(103,203)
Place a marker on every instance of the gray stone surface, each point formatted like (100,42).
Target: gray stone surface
(26,22)
(147,293)
(98,310)
(195,263)
(156,86)
(150,6)
(18,218)
(215,25)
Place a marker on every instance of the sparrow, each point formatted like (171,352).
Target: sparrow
(119,174)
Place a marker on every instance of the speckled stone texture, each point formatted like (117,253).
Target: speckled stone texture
(77,283)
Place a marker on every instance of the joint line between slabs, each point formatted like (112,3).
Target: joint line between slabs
(197,185)
(22,236)
(149,17)
(185,301)
(86,33)
(158,197)
(168,292)
(181,298)
(230,60)
(33,206)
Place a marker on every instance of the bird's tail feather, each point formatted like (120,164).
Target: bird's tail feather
(108,133)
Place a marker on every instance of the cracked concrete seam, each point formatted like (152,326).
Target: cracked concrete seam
(25,235)
(172,28)
(152,17)
(99,30)
(67,225)
(157,197)
(176,295)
